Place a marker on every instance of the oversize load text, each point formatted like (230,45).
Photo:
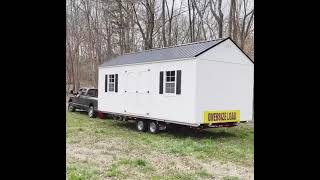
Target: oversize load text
(222,116)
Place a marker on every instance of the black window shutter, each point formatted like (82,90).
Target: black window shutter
(161,83)
(106,83)
(116,83)
(178,82)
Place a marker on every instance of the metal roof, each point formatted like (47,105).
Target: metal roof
(168,53)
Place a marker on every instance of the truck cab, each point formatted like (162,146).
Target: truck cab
(84,99)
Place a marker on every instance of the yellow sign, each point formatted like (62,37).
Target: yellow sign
(221,116)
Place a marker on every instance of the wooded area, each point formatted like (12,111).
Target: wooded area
(98,30)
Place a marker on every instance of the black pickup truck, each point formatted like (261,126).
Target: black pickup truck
(84,99)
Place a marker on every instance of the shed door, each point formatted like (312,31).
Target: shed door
(130,94)
(138,93)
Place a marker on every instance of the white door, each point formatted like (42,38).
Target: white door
(138,93)
(130,92)
(143,95)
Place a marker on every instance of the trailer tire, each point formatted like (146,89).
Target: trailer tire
(153,127)
(141,125)
(116,117)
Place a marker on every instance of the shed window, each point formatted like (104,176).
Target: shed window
(170,82)
(111,82)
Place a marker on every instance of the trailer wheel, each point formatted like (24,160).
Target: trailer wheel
(71,108)
(91,112)
(141,125)
(153,127)
(116,117)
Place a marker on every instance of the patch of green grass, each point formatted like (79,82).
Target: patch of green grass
(100,131)
(81,173)
(230,144)
(203,174)
(74,141)
(155,178)
(133,163)
(140,162)
(188,176)
(114,171)
(183,176)
(231,178)
(136,164)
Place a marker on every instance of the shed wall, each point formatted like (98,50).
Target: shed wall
(225,79)
(133,78)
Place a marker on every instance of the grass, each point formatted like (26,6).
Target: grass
(172,175)
(231,178)
(226,145)
(81,173)
(136,164)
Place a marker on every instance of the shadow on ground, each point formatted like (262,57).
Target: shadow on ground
(176,131)
(181,131)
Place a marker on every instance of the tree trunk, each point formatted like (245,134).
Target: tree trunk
(193,19)
(218,17)
(235,22)
(231,16)
(132,42)
(190,22)
(77,79)
(170,22)
(164,23)
(121,28)
(220,27)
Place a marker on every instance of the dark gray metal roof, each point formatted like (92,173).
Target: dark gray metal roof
(175,52)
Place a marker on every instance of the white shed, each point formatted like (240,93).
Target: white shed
(198,84)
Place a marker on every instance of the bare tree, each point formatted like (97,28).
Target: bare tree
(164,23)
(218,15)
(147,34)
(244,32)
(231,16)
(201,13)
(74,39)
(192,17)
(98,30)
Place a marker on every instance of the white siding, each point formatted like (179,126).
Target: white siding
(174,107)
(227,51)
(224,81)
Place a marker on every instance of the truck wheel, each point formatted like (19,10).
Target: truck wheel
(153,127)
(71,108)
(91,112)
(141,125)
